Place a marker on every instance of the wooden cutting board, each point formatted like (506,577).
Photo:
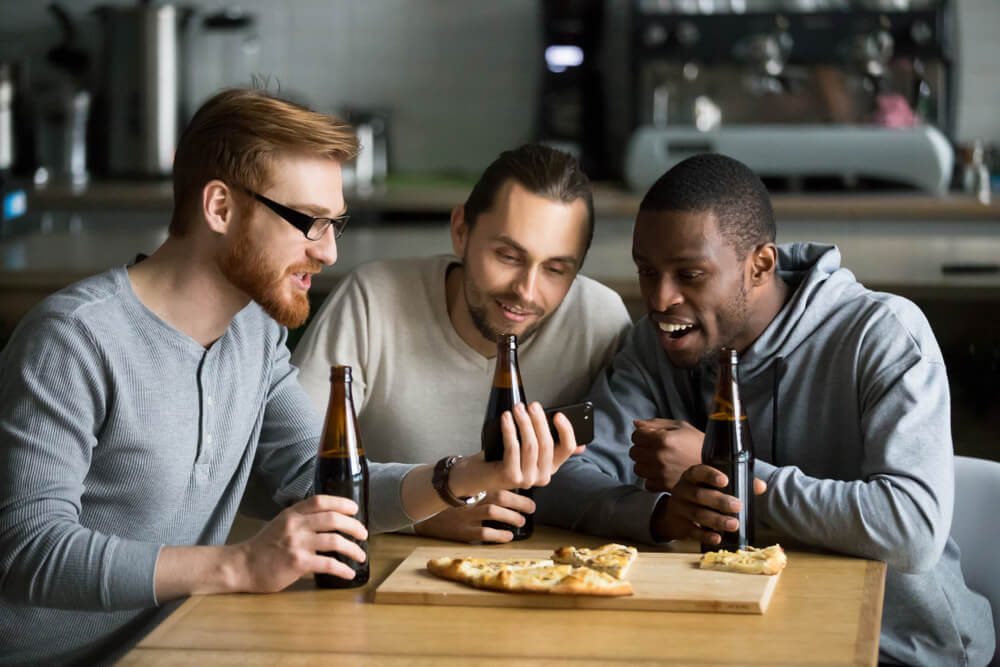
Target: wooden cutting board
(660,582)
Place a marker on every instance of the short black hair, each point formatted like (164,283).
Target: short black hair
(716,183)
(541,170)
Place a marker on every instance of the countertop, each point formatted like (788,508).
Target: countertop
(913,245)
(610,201)
(890,255)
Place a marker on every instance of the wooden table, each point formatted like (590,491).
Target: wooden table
(826,611)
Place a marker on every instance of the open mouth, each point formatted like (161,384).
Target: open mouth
(304,280)
(675,331)
(514,312)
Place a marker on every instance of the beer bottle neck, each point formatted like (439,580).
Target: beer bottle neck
(726,403)
(507,374)
(340,431)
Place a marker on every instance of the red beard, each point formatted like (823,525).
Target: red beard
(246,265)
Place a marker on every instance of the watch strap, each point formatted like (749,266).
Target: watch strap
(440,479)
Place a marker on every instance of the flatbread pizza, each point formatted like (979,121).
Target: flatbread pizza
(769,560)
(518,575)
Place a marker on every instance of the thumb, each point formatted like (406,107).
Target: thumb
(759,486)
(654,423)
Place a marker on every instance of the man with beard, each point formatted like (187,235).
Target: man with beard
(136,404)
(859,457)
(421,333)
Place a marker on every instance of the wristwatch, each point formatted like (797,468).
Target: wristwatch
(442,473)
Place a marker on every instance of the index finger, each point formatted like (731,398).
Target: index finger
(322,502)
(514,501)
(646,438)
(705,474)
(656,423)
(322,522)
(511,444)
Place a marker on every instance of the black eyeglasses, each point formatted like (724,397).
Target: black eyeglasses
(314,228)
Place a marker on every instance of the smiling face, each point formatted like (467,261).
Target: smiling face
(695,285)
(518,262)
(270,260)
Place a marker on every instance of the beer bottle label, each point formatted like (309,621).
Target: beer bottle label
(337,448)
(724,411)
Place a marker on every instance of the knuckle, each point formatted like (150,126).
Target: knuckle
(296,561)
(702,496)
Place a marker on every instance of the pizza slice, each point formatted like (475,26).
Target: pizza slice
(612,559)
(468,570)
(527,576)
(770,560)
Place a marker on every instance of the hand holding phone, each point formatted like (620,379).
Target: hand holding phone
(580,415)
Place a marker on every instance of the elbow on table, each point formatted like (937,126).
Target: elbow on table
(913,561)
(907,527)
(915,551)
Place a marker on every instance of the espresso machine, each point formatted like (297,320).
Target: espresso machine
(808,93)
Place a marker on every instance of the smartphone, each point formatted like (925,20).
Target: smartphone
(580,415)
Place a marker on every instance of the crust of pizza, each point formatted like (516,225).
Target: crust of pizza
(528,576)
(527,580)
(584,580)
(613,559)
(468,570)
(769,560)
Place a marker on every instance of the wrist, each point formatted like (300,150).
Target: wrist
(234,568)
(658,520)
(467,477)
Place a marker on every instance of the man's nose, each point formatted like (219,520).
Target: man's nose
(664,295)
(525,284)
(324,249)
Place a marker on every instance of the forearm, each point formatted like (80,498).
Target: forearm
(581,497)
(200,570)
(420,500)
(468,477)
(69,567)
(886,517)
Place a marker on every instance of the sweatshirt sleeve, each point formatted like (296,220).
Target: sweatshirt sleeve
(54,393)
(899,511)
(598,492)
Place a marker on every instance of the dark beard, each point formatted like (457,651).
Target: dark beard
(734,318)
(245,265)
(478,314)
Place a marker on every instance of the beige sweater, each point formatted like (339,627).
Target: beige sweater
(419,389)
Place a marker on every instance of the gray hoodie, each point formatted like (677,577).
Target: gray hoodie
(854,386)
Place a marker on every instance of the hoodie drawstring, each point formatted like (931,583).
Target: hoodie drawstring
(777,370)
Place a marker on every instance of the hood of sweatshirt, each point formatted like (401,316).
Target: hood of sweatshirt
(825,300)
(819,287)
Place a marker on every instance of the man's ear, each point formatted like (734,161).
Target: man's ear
(459,231)
(763,264)
(217,206)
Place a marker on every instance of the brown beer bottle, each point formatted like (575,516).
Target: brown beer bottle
(341,469)
(728,448)
(507,392)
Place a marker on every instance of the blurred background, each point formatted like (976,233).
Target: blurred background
(873,123)
(460,81)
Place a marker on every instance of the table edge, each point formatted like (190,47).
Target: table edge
(870,617)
